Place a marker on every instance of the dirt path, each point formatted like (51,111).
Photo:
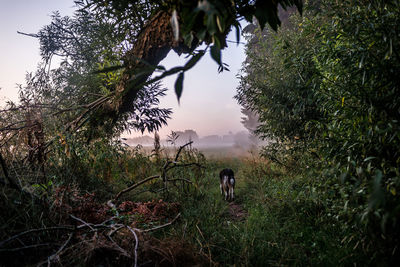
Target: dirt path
(237,212)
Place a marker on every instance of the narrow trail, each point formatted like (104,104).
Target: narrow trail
(237,212)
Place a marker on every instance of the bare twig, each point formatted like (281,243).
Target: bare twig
(16,128)
(167,166)
(27,247)
(56,255)
(135,185)
(82,221)
(136,244)
(161,226)
(2,243)
(180,150)
(115,228)
(89,107)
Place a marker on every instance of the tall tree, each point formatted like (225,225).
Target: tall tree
(182,26)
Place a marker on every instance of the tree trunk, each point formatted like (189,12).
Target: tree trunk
(151,47)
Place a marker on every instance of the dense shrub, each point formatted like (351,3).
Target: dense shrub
(340,62)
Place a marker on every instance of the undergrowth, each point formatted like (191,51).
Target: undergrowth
(286,214)
(287,222)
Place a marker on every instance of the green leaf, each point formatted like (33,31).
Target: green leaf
(377,196)
(247,12)
(194,60)
(188,39)
(108,69)
(220,23)
(179,85)
(201,34)
(216,54)
(237,27)
(343,177)
(211,25)
(205,6)
(160,67)
(369,158)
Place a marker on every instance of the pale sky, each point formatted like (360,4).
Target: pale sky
(206,106)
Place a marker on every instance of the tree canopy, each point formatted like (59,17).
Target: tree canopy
(156,27)
(111,51)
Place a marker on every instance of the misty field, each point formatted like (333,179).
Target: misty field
(212,151)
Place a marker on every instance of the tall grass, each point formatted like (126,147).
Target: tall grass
(286,223)
(285,218)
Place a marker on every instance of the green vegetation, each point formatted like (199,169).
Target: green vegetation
(278,217)
(284,224)
(324,89)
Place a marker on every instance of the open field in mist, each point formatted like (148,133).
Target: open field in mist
(211,152)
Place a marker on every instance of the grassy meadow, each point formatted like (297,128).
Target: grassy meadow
(282,220)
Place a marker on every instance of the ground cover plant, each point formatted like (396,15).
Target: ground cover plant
(278,218)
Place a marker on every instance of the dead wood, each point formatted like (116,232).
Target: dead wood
(167,167)
(162,226)
(135,185)
(66,228)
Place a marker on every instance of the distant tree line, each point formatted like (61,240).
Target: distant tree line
(241,138)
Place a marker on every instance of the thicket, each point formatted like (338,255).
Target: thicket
(327,92)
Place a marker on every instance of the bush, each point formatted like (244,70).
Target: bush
(340,62)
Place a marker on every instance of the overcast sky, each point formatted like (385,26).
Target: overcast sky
(206,105)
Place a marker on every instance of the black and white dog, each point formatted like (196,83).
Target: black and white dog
(227,183)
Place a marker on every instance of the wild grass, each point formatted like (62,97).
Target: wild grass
(286,220)
(286,223)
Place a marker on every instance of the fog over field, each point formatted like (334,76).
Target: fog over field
(231,145)
(242,139)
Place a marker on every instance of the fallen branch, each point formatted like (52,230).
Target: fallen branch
(136,243)
(2,243)
(56,255)
(106,228)
(82,221)
(27,247)
(167,166)
(162,226)
(135,185)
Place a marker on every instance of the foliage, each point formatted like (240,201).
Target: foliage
(361,95)
(177,25)
(279,82)
(88,45)
(250,122)
(340,64)
(286,220)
